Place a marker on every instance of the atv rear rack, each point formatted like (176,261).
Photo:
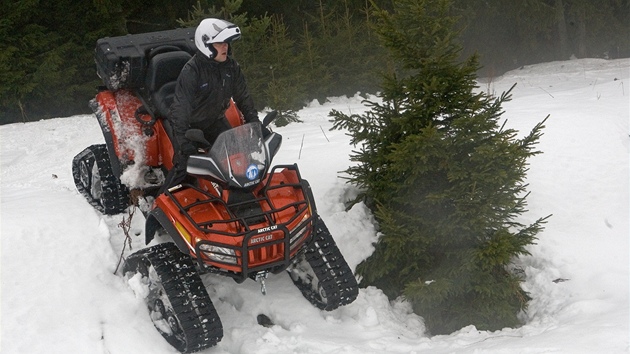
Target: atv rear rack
(257,236)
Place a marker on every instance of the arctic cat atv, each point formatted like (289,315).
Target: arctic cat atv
(235,215)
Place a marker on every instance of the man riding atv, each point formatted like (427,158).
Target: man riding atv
(203,92)
(224,209)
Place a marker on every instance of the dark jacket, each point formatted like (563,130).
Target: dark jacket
(203,92)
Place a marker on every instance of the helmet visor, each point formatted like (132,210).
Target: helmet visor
(226,35)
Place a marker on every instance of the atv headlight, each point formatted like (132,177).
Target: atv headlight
(219,254)
(301,232)
(297,236)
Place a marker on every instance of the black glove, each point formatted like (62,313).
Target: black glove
(179,161)
(187,148)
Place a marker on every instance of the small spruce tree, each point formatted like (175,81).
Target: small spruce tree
(446,181)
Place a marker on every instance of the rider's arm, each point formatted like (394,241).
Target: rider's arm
(182,107)
(242,98)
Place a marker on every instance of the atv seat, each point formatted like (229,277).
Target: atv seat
(161,78)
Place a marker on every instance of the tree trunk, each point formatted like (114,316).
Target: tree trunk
(581,22)
(562,29)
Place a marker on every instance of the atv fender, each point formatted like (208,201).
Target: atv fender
(310,196)
(156,219)
(101,117)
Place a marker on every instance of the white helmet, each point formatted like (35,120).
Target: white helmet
(213,30)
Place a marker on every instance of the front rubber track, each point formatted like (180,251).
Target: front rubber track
(335,283)
(175,283)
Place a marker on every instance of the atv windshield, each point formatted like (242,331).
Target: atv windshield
(240,155)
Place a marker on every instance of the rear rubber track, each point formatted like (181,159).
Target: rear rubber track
(114,196)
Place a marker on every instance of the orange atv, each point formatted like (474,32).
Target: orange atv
(236,215)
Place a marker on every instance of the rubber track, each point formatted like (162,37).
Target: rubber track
(188,296)
(115,197)
(331,270)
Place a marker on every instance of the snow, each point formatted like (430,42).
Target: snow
(59,293)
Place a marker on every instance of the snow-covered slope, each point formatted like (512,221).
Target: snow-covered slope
(59,293)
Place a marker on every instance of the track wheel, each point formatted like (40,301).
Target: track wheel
(95,180)
(322,274)
(178,302)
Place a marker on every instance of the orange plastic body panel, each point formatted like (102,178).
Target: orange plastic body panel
(234,116)
(205,216)
(133,141)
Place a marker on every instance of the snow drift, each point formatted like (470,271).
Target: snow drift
(60,293)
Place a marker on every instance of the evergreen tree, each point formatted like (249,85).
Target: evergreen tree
(355,56)
(317,76)
(47,48)
(285,85)
(347,49)
(446,181)
(46,56)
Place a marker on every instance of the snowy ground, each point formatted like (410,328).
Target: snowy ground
(59,293)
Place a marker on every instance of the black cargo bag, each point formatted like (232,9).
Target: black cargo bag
(121,62)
